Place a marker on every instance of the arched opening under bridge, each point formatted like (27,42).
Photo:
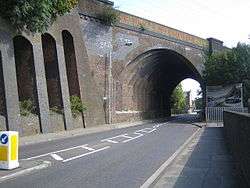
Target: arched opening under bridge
(149,80)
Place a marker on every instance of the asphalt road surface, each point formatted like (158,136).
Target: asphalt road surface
(113,159)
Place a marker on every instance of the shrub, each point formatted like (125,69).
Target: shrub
(27,107)
(77,107)
(109,16)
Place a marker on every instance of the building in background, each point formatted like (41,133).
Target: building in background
(190,104)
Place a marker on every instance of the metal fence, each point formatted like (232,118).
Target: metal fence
(215,114)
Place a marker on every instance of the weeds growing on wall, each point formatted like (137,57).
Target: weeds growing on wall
(142,27)
(109,16)
(27,107)
(56,109)
(77,106)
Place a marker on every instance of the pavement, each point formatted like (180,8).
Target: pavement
(204,163)
(124,157)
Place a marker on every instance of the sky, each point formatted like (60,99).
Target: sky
(226,20)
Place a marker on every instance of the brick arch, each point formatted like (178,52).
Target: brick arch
(71,68)
(52,71)
(24,59)
(136,58)
(70,60)
(157,72)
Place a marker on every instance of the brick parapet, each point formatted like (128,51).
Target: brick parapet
(92,8)
(136,21)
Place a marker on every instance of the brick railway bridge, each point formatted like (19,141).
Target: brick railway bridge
(121,72)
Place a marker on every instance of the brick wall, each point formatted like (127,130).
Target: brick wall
(237,130)
(135,21)
(95,7)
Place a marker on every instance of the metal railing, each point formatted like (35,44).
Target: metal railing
(215,114)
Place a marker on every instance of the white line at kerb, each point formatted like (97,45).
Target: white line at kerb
(85,154)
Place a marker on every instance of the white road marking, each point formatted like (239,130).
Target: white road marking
(111,141)
(133,138)
(126,136)
(56,157)
(45,164)
(147,130)
(46,154)
(88,148)
(85,154)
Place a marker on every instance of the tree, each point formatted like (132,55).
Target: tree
(178,100)
(34,15)
(198,103)
(229,67)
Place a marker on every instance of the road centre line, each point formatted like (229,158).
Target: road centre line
(85,154)
(54,152)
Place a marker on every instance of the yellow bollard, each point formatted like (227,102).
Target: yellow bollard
(9,150)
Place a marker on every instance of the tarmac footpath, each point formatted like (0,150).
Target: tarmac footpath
(204,163)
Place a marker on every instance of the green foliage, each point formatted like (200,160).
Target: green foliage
(221,68)
(142,27)
(109,16)
(229,67)
(56,109)
(77,107)
(178,100)
(26,107)
(199,103)
(34,15)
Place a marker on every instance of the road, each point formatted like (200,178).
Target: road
(118,158)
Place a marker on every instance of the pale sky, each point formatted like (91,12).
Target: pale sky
(190,84)
(226,20)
